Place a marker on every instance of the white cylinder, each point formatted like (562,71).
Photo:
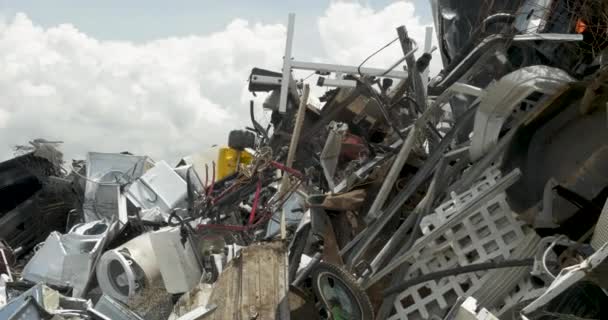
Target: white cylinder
(126,270)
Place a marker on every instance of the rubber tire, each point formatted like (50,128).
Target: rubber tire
(365,305)
(241,139)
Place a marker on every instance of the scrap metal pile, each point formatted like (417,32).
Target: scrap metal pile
(480,194)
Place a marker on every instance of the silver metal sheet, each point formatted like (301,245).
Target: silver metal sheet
(105,173)
(160,187)
(114,309)
(178,265)
(64,260)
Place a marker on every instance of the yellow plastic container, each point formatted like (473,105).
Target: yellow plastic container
(227,161)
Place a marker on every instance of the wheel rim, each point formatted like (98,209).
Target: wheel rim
(338,299)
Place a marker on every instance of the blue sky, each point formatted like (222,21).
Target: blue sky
(141,20)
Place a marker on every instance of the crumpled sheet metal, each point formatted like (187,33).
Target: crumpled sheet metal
(31,304)
(331,151)
(178,265)
(114,309)
(105,173)
(160,187)
(65,260)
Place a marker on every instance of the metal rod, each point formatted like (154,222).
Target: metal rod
(391,177)
(428,42)
(293,146)
(303,274)
(407,46)
(8,269)
(423,173)
(287,63)
(338,68)
(468,209)
(465,64)
(459,270)
(422,208)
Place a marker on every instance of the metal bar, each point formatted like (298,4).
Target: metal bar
(337,83)
(267,80)
(338,68)
(465,64)
(8,268)
(293,146)
(428,42)
(287,63)
(467,210)
(415,76)
(360,173)
(391,177)
(303,274)
(406,55)
(331,151)
(422,208)
(467,89)
(548,37)
(483,266)
(423,173)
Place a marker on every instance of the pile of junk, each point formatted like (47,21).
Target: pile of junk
(479,193)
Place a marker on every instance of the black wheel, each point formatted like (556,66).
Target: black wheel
(339,294)
(241,139)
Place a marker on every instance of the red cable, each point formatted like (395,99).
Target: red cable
(287,169)
(256,199)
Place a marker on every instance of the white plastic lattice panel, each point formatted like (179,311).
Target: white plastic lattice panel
(490,233)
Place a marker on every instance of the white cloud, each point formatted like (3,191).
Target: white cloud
(165,98)
(350,32)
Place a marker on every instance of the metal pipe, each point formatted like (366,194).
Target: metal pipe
(407,46)
(391,177)
(291,19)
(459,270)
(407,55)
(293,146)
(420,176)
(305,272)
(337,68)
(466,63)
(413,220)
(468,209)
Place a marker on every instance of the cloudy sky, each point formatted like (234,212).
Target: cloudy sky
(166,78)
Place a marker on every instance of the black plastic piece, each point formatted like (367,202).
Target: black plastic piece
(241,139)
(256,87)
